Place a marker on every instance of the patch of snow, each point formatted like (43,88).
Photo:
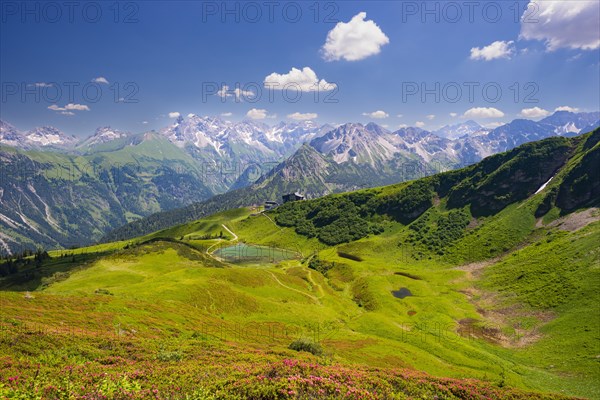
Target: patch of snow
(543,186)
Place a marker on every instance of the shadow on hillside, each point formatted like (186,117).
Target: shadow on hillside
(32,276)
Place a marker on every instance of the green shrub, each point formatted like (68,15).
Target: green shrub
(438,232)
(306,228)
(321,266)
(169,356)
(306,345)
(362,296)
(409,203)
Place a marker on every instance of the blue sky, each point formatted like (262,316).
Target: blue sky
(371,61)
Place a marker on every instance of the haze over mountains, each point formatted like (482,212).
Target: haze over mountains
(57,190)
(222,136)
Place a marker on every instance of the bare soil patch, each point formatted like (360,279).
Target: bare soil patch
(578,220)
(511,326)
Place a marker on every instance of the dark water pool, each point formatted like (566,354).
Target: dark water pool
(401,293)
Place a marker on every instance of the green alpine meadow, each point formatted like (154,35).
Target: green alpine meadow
(300,200)
(469,284)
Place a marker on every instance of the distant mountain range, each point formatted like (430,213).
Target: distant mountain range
(355,156)
(206,133)
(41,137)
(225,138)
(75,191)
(212,139)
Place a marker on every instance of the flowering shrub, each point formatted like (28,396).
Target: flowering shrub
(211,371)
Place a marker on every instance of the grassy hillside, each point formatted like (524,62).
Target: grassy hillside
(460,276)
(307,170)
(59,200)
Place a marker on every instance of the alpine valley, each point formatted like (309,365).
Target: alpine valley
(300,200)
(57,191)
(477,283)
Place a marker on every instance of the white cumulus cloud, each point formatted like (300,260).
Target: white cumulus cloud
(302,116)
(100,79)
(224,92)
(498,49)
(241,94)
(567,108)
(562,24)
(174,114)
(226,114)
(535,112)
(419,124)
(305,80)
(77,107)
(354,40)
(483,112)
(430,117)
(453,114)
(377,114)
(69,107)
(258,113)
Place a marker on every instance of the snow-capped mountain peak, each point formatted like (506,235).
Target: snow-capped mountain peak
(10,136)
(104,134)
(221,136)
(467,128)
(569,123)
(198,131)
(40,137)
(369,144)
(48,136)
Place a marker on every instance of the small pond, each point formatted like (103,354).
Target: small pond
(401,293)
(248,253)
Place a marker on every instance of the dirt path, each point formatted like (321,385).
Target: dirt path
(235,237)
(270,219)
(315,284)
(208,250)
(315,299)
